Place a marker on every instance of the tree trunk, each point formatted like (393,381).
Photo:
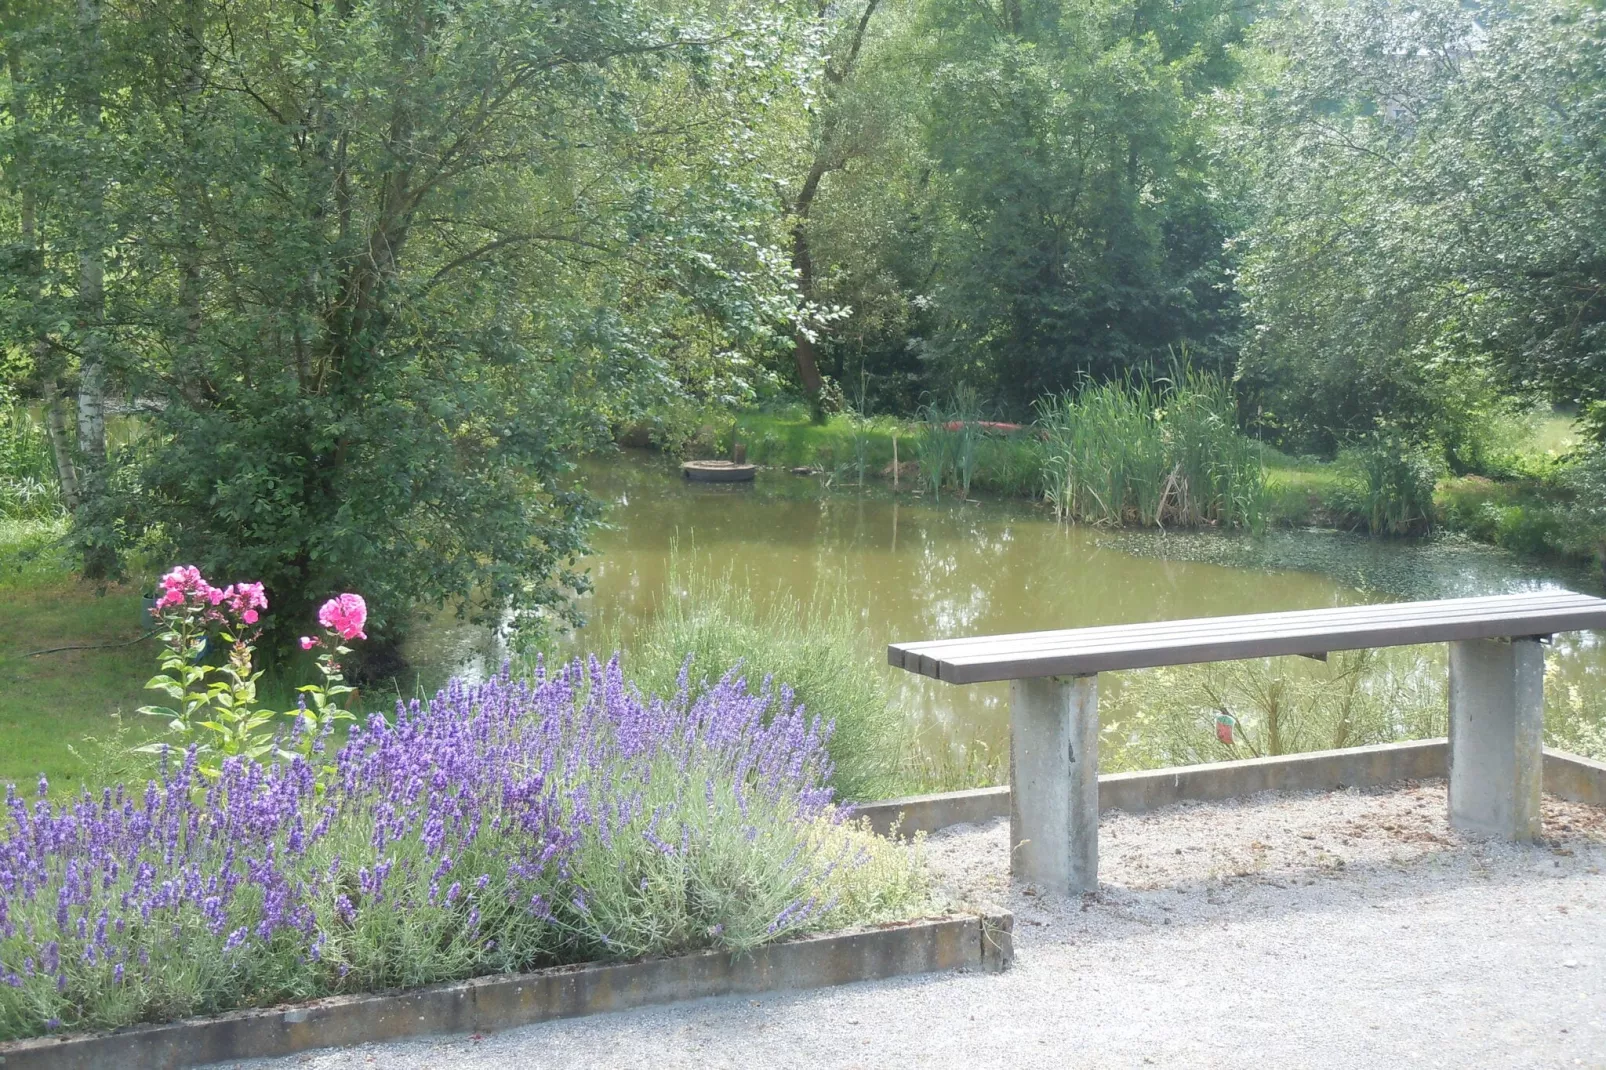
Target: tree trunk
(93,515)
(825,160)
(92,271)
(808,368)
(61,446)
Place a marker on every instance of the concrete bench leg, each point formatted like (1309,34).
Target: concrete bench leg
(1054,784)
(1497,713)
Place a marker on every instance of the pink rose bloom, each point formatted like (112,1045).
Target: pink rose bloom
(308,642)
(249,616)
(345,616)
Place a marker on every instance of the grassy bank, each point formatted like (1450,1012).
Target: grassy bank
(51,701)
(1540,505)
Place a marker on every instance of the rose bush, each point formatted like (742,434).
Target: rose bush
(215,707)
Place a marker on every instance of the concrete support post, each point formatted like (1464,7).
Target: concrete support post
(1053,776)
(1497,710)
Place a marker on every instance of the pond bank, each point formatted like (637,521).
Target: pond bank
(1525,514)
(1313,930)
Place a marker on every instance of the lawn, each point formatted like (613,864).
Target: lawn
(50,702)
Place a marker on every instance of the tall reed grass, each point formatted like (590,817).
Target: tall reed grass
(1152,453)
(1387,487)
(28,486)
(816,646)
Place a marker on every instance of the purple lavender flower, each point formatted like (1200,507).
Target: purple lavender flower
(529,774)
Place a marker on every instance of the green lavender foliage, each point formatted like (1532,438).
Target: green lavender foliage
(817,646)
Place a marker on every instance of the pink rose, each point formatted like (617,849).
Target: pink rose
(249,616)
(345,616)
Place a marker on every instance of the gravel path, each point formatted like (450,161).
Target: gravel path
(1287,930)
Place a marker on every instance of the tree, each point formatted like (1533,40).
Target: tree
(1425,191)
(1078,234)
(383,267)
(834,141)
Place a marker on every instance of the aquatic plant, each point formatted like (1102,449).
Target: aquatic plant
(1387,486)
(28,486)
(502,826)
(1151,453)
(949,443)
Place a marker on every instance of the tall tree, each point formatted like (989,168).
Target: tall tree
(1426,187)
(385,266)
(1079,233)
(834,144)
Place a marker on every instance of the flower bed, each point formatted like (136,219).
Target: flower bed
(500,827)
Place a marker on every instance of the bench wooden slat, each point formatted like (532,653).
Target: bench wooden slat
(1108,648)
(1335,616)
(1260,625)
(1387,612)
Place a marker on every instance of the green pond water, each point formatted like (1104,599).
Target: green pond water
(921,569)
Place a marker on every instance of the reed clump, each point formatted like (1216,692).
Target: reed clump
(1160,453)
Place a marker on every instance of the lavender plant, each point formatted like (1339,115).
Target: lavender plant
(500,827)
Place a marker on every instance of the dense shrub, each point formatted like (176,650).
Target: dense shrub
(1387,487)
(502,826)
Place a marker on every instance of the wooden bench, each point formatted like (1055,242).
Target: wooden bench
(1497,671)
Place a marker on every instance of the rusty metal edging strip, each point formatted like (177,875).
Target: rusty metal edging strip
(486,1004)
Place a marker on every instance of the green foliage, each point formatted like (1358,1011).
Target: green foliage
(816,647)
(1074,229)
(1424,187)
(377,271)
(215,707)
(1153,454)
(1387,486)
(1575,715)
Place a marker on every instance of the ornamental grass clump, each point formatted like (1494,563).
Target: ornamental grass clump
(500,827)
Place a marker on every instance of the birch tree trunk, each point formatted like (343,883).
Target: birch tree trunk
(92,519)
(92,271)
(61,446)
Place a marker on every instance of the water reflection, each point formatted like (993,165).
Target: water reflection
(918,569)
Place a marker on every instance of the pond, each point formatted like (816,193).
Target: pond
(921,569)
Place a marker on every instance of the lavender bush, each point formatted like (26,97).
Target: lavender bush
(500,827)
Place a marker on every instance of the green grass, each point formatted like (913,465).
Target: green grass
(51,702)
(815,647)
(789,439)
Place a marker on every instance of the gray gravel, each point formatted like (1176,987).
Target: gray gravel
(1288,930)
